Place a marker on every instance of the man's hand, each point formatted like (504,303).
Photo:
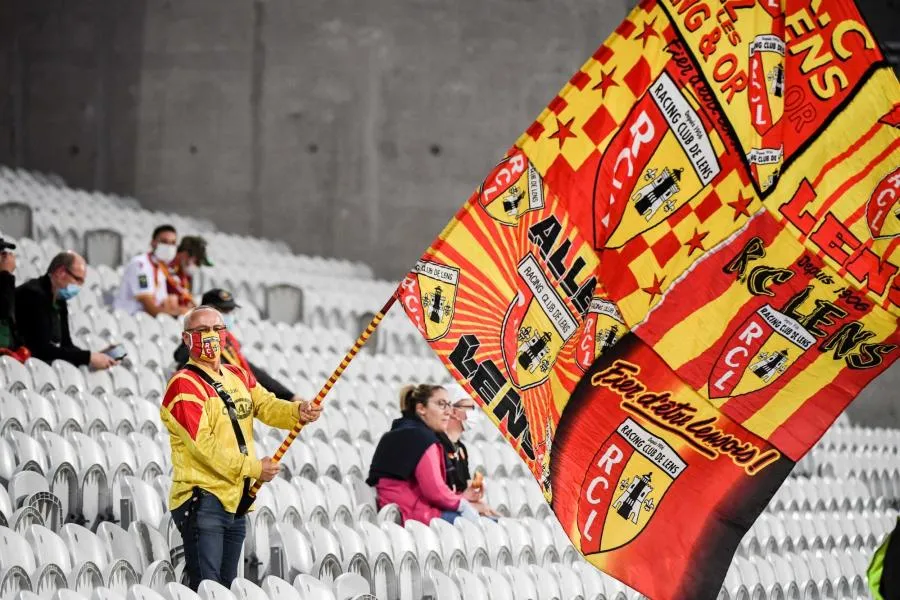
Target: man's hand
(7,262)
(484,510)
(170,305)
(307,411)
(270,469)
(473,494)
(100,361)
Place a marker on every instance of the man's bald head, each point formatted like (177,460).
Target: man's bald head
(66,268)
(70,261)
(202,316)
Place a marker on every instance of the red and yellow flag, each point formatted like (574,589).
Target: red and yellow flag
(680,275)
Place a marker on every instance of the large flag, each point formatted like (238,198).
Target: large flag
(680,274)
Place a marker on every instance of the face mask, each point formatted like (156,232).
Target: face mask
(229,321)
(205,346)
(165,252)
(69,292)
(191,270)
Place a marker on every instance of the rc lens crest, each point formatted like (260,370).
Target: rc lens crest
(437,286)
(603,327)
(513,188)
(661,158)
(624,487)
(536,327)
(759,351)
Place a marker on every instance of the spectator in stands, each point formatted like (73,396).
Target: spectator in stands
(9,340)
(144,286)
(459,477)
(42,313)
(408,466)
(190,257)
(208,409)
(883,573)
(223,301)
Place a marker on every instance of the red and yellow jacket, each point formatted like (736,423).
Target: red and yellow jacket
(204,449)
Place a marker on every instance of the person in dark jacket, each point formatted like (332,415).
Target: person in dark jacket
(42,313)
(223,301)
(9,339)
(456,455)
(408,466)
(458,475)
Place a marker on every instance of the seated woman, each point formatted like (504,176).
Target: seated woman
(408,467)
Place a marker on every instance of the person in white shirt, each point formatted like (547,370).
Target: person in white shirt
(143,286)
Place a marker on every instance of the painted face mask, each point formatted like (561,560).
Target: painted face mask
(205,346)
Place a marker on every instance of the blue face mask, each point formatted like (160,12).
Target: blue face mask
(228,320)
(69,292)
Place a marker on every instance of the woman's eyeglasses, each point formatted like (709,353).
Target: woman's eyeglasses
(443,405)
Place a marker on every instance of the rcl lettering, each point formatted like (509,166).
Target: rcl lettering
(610,458)
(488,381)
(751,332)
(828,78)
(505,175)
(544,235)
(642,133)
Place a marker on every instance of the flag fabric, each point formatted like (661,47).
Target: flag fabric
(680,274)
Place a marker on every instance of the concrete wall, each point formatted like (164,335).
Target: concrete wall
(347,128)
(350,128)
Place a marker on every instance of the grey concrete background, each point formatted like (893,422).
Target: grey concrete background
(348,128)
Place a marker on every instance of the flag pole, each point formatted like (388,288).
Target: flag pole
(320,397)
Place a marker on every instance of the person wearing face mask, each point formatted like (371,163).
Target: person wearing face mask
(232,354)
(459,477)
(208,409)
(143,286)
(408,467)
(184,268)
(9,338)
(42,313)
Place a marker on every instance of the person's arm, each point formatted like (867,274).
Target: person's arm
(148,303)
(270,383)
(184,414)
(141,279)
(33,324)
(433,486)
(7,295)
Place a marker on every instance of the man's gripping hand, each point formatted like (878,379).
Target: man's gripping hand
(307,412)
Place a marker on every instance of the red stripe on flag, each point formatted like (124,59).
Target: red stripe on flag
(846,153)
(859,176)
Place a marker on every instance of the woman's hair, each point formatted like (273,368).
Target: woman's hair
(413,395)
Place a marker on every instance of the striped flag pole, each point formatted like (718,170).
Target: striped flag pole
(320,397)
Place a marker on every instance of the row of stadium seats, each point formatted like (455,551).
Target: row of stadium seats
(59,211)
(83,455)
